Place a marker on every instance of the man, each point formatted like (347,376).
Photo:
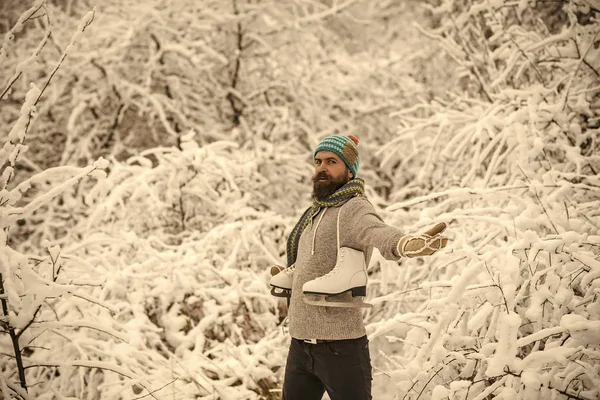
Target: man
(329,349)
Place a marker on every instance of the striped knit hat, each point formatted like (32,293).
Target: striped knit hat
(345,147)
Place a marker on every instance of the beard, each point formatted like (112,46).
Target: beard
(324,188)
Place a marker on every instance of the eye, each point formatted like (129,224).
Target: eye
(332,161)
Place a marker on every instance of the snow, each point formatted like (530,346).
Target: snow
(135,256)
(506,350)
(17,133)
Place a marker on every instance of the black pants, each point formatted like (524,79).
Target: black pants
(341,367)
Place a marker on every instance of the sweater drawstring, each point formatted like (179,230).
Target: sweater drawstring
(312,251)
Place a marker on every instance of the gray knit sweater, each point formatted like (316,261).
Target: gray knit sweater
(361,229)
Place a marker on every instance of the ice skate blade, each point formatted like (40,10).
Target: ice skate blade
(333,303)
(280,292)
(359,291)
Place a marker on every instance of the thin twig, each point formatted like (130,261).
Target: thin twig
(154,391)
(427,383)
(15,340)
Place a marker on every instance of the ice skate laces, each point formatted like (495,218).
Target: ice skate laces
(335,269)
(428,242)
(289,270)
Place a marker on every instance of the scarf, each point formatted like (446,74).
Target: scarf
(354,187)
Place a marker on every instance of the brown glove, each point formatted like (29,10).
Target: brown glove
(423,245)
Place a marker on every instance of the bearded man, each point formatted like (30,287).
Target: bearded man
(329,350)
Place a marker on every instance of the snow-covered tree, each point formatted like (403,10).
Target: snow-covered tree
(509,160)
(152,282)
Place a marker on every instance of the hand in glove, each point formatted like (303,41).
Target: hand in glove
(423,245)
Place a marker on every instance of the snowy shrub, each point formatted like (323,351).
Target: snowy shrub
(511,309)
(32,285)
(184,238)
(153,282)
(286,72)
(174,255)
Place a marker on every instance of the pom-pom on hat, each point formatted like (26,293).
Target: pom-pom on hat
(345,147)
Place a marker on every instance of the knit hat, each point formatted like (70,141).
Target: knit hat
(345,147)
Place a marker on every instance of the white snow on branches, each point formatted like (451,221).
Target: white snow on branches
(146,194)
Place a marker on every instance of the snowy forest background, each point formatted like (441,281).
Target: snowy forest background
(156,154)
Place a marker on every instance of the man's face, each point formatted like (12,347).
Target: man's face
(330,174)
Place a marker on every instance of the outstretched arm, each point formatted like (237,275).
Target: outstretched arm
(362,227)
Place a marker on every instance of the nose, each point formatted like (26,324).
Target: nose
(321,167)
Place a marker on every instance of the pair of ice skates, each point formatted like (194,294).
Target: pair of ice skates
(348,276)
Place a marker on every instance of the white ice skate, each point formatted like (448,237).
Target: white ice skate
(348,275)
(281,278)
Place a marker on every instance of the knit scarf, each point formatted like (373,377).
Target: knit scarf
(354,187)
